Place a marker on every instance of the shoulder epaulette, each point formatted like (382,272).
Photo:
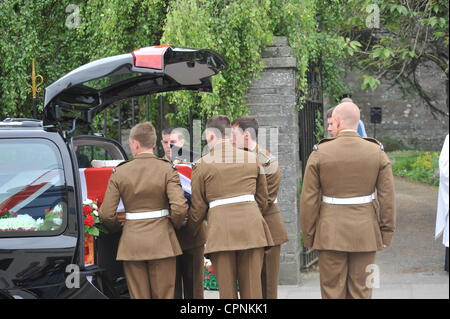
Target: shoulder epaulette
(164,159)
(373,140)
(123,163)
(120,164)
(266,159)
(324,140)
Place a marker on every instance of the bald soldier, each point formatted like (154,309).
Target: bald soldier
(155,205)
(338,217)
(190,265)
(245,134)
(230,191)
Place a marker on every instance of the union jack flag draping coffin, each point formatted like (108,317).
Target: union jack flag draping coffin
(35,184)
(94,182)
(25,198)
(185,173)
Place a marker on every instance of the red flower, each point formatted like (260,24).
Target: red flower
(89,221)
(87,210)
(47,211)
(15,214)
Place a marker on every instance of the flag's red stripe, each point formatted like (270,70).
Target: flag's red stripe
(14,200)
(185,170)
(97,181)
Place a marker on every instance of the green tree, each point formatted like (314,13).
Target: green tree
(331,34)
(397,38)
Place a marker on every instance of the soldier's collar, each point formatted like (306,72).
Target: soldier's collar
(145,154)
(348,133)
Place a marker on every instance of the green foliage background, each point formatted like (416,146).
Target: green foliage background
(417,166)
(320,32)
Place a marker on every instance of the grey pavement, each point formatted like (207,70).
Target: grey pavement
(412,268)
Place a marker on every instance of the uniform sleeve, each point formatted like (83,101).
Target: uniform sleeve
(261,189)
(310,200)
(273,181)
(108,209)
(386,199)
(177,202)
(200,205)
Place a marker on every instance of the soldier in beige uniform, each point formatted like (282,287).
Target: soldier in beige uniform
(190,265)
(230,191)
(155,205)
(245,132)
(338,217)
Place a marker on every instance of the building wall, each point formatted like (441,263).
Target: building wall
(405,116)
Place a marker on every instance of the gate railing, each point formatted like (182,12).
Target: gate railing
(309,119)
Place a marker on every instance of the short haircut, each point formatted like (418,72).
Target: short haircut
(330,112)
(247,124)
(145,134)
(173,130)
(221,123)
(167,131)
(346,99)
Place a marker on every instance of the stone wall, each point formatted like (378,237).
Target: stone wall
(272,100)
(405,116)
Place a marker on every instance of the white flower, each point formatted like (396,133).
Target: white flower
(95,213)
(20,222)
(87,202)
(207,262)
(95,207)
(57,221)
(39,222)
(58,209)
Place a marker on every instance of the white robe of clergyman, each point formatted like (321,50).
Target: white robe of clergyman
(442,209)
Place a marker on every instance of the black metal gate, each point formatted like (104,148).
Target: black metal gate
(310,122)
(126,114)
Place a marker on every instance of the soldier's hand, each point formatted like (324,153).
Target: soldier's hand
(121,218)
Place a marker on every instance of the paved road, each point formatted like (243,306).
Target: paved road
(413,266)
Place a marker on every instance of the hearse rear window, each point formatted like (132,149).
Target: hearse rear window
(33,199)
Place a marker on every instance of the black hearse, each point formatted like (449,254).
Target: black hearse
(39,171)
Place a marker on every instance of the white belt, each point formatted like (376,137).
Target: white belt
(147,215)
(349,200)
(232,200)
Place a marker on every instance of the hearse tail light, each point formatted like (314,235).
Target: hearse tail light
(150,57)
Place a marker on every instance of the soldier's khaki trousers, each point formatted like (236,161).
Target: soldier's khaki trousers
(271,273)
(343,274)
(190,274)
(244,266)
(151,279)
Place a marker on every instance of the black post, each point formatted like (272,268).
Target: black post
(191,132)
(147,109)
(161,112)
(119,139)
(133,115)
(105,122)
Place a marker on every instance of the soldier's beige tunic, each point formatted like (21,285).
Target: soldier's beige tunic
(190,273)
(272,215)
(148,247)
(343,167)
(236,233)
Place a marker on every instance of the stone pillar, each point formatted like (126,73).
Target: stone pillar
(272,100)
